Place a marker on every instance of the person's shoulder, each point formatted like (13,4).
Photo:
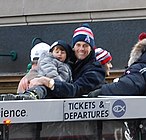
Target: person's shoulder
(137,66)
(94,66)
(98,67)
(97,64)
(45,56)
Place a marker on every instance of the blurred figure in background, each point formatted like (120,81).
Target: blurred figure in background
(35,54)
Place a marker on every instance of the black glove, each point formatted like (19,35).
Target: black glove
(95,93)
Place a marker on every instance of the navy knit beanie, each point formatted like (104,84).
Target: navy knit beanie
(83,33)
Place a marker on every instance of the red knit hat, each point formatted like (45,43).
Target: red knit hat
(142,36)
(102,56)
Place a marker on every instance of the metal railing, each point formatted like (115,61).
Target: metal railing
(12,54)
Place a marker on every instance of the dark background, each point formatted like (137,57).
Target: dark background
(118,37)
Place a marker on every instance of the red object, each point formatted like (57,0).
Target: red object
(142,36)
(7,122)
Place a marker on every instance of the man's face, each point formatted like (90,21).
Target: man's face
(82,50)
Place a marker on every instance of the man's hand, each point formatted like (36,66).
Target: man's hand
(36,82)
(48,82)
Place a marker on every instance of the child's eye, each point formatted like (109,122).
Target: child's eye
(56,51)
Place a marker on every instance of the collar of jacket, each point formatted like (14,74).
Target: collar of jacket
(80,63)
(137,51)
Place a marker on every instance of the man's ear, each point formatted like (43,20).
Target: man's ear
(73,49)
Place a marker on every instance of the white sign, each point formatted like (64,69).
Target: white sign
(75,110)
(27,111)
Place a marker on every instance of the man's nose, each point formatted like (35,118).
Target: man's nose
(82,48)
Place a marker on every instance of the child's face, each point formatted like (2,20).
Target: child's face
(59,53)
(108,67)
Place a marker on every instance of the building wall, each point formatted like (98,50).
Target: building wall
(28,12)
(116,26)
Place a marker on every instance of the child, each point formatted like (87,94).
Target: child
(54,64)
(104,57)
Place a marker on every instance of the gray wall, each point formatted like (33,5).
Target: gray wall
(28,12)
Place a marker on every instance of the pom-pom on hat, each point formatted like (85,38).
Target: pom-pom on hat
(38,49)
(83,33)
(142,36)
(102,56)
